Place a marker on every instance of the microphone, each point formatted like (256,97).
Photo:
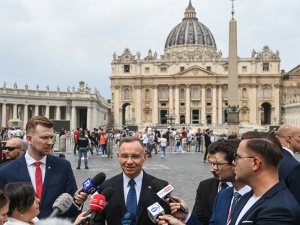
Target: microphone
(90,186)
(165,192)
(98,203)
(129,219)
(61,204)
(153,208)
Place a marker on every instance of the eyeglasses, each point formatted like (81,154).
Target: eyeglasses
(133,157)
(237,157)
(217,164)
(10,148)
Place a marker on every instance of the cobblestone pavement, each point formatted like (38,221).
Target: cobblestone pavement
(183,171)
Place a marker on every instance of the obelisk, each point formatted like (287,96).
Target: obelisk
(233,79)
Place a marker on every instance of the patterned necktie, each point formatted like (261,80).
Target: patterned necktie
(224,185)
(236,198)
(131,198)
(38,180)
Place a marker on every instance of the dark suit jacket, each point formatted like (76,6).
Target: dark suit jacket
(205,198)
(221,207)
(289,171)
(59,179)
(115,209)
(276,206)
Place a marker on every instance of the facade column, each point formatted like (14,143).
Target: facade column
(36,110)
(276,118)
(177,118)
(170,98)
(220,105)
(15,110)
(25,120)
(187,105)
(47,111)
(203,105)
(155,105)
(58,113)
(89,118)
(73,118)
(138,106)
(214,105)
(3,123)
(253,106)
(95,118)
(117,97)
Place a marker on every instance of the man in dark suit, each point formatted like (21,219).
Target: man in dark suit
(269,202)
(289,167)
(50,176)
(226,199)
(131,156)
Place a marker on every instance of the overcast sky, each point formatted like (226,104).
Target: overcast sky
(61,42)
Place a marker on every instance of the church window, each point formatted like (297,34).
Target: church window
(126,68)
(265,66)
(181,93)
(244,68)
(226,69)
(244,93)
(181,69)
(226,92)
(147,70)
(163,104)
(147,94)
(163,69)
(266,92)
(208,93)
(195,93)
(126,94)
(208,68)
(163,93)
(208,104)
(181,104)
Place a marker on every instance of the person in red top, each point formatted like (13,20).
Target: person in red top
(103,141)
(76,132)
(183,138)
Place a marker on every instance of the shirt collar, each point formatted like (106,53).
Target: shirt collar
(138,179)
(30,160)
(289,150)
(243,190)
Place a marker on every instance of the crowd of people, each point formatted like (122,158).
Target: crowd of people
(255,179)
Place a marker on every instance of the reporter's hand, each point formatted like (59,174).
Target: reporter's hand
(80,217)
(174,207)
(80,196)
(168,219)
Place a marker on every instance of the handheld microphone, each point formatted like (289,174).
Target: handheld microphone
(61,204)
(90,186)
(98,203)
(153,208)
(165,192)
(129,219)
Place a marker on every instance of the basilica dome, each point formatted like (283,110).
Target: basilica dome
(190,32)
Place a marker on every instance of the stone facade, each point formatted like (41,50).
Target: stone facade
(81,107)
(190,82)
(291,96)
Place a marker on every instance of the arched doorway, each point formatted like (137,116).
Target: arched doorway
(182,119)
(163,118)
(126,114)
(266,113)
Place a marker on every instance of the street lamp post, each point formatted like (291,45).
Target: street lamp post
(170,118)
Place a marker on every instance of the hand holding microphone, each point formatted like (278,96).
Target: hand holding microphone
(165,193)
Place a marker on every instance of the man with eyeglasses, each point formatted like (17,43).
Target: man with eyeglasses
(256,164)
(130,187)
(289,167)
(14,149)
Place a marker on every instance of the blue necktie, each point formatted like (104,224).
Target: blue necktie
(236,198)
(224,185)
(131,198)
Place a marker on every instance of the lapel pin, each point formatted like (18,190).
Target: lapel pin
(49,167)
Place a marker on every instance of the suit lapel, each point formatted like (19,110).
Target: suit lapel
(49,167)
(119,193)
(145,192)
(22,169)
